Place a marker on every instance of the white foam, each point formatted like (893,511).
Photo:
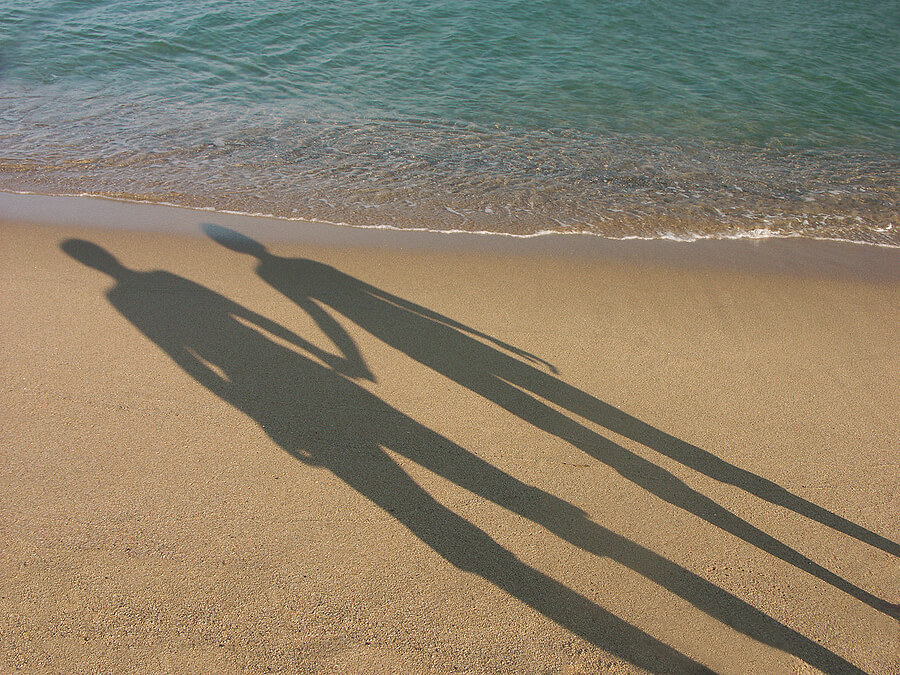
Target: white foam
(757,233)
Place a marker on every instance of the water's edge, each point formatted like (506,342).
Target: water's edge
(793,256)
(760,233)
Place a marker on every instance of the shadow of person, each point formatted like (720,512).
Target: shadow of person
(325,419)
(322,417)
(508,377)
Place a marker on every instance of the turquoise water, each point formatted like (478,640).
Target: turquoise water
(632,118)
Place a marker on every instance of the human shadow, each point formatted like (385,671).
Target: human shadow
(323,418)
(310,407)
(510,378)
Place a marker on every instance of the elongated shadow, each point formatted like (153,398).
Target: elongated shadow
(325,419)
(510,378)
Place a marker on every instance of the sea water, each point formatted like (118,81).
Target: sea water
(627,118)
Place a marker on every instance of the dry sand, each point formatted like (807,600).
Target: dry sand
(379,452)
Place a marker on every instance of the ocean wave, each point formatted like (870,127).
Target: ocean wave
(661,235)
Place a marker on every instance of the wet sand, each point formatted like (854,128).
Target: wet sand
(315,449)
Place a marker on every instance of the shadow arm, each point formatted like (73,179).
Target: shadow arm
(431,315)
(350,364)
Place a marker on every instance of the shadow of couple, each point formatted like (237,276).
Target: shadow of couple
(308,401)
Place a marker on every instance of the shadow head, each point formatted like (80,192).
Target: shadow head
(95,256)
(235,241)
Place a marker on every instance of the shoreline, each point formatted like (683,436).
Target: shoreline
(252,448)
(755,235)
(786,255)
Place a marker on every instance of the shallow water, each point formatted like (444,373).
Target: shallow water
(627,119)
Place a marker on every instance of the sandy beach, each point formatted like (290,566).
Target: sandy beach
(246,445)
